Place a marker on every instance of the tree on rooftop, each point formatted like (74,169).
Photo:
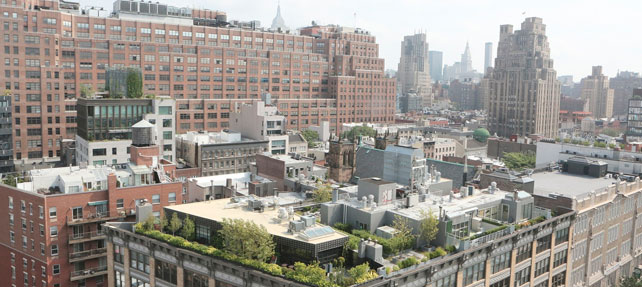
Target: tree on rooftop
(322,193)
(163,223)
(174,223)
(247,239)
(611,132)
(188,229)
(134,84)
(357,131)
(519,161)
(428,226)
(310,136)
(404,238)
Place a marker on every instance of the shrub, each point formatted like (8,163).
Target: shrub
(410,261)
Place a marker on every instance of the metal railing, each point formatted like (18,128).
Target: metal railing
(87,253)
(81,274)
(86,235)
(97,216)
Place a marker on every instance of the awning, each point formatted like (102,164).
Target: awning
(102,202)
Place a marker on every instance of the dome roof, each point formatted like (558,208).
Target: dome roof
(481,134)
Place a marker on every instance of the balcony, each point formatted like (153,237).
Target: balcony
(87,254)
(97,217)
(88,273)
(86,236)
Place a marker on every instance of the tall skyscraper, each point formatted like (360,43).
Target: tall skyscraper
(278,22)
(595,90)
(488,56)
(413,74)
(524,93)
(466,60)
(436,59)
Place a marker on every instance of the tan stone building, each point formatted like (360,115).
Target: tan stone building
(595,90)
(523,90)
(413,74)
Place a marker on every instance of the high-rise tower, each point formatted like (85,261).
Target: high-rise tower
(466,60)
(278,22)
(596,90)
(524,93)
(413,73)
(488,56)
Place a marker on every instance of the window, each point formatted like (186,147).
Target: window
(23,206)
(53,231)
(559,280)
(54,249)
(474,273)
(523,276)
(165,271)
(119,254)
(56,269)
(120,279)
(52,212)
(171,197)
(543,243)
(542,266)
(139,283)
(447,281)
(139,261)
(560,258)
(10,202)
(120,203)
(41,212)
(502,283)
(156,199)
(192,279)
(561,235)
(523,253)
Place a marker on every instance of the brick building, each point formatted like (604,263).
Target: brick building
(53,53)
(55,237)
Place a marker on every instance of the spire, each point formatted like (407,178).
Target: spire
(278,22)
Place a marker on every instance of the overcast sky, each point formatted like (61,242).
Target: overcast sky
(581,33)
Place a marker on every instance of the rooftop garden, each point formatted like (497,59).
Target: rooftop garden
(248,244)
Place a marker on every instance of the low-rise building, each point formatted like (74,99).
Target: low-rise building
(279,168)
(217,153)
(229,185)
(298,239)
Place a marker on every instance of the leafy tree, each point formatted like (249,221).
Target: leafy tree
(188,229)
(310,136)
(12,180)
(247,239)
(611,132)
(355,132)
(630,282)
(428,226)
(404,238)
(175,224)
(311,274)
(163,223)
(134,84)
(323,193)
(599,144)
(86,91)
(362,273)
(519,161)
(148,224)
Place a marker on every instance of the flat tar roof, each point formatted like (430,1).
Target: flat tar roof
(566,184)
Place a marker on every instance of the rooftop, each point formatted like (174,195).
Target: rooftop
(271,218)
(201,138)
(568,185)
(70,179)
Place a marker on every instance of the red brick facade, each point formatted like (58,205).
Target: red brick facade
(325,74)
(90,249)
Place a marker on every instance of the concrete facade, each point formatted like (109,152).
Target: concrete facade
(596,91)
(513,108)
(413,72)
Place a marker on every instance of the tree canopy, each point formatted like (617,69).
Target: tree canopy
(174,224)
(247,239)
(134,84)
(630,282)
(355,132)
(323,193)
(310,136)
(188,229)
(428,226)
(519,161)
(404,238)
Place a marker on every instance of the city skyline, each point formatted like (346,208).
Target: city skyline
(575,48)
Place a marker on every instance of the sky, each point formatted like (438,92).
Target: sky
(581,33)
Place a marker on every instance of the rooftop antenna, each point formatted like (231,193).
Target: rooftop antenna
(355,20)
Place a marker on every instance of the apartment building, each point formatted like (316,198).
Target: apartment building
(217,153)
(607,234)
(52,52)
(54,219)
